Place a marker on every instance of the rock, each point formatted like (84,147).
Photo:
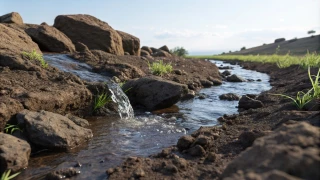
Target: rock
(139,172)
(146,48)
(130,43)
(211,157)
(165,48)
(161,53)
(78,121)
(171,168)
(247,138)
(144,53)
(44,24)
(53,131)
(235,78)
(177,71)
(154,92)
(292,149)
(13,17)
(246,102)
(14,153)
(226,73)
(197,151)
(216,82)
(13,43)
(202,140)
(229,97)
(206,83)
(225,67)
(190,95)
(185,142)
(50,39)
(279,40)
(76,27)
(8,107)
(154,50)
(62,174)
(180,162)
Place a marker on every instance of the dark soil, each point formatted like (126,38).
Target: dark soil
(220,145)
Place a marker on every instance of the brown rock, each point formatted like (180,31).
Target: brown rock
(161,53)
(50,39)
(146,48)
(144,53)
(246,102)
(130,43)
(185,142)
(197,151)
(165,48)
(79,28)
(139,172)
(229,97)
(13,17)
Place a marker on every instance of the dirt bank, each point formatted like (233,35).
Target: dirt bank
(208,151)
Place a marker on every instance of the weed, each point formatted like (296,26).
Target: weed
(6,175)
(11,128)
(101,100)
(315,84)
(159,68)
(33,55)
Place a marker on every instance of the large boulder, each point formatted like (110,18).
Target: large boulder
(154,92)
(130,43)
(14,153)
(146,48)
(292,149)
(90,31)
(51,130)
(144,53)
(50,39)
(13,17)
(13,43)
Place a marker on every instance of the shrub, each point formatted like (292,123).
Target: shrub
(243,48)
(159,68)
(179,51)
(33,55)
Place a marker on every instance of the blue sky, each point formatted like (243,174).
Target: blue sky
(201,26)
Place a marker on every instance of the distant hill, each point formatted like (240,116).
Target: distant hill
(295,46)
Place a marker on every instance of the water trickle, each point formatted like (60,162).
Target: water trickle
(84,71)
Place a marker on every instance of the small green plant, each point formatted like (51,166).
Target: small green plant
(6,175)
(33,55)
(10,128)
(302,99)
(179,51)
(159,68)
(101,100)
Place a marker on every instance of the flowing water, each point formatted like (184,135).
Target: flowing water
(116,139)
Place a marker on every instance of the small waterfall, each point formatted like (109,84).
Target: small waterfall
(84,71)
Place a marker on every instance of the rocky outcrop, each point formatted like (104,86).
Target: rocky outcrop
(229,97)
(249,102)
(291,149)
(92,32)
(130,43)
(146,48)
(13,17)
(165,48)
(53,131)
(50,39)
(13,43)
(14,153)
(144,53)
(279,40)
(235,78)
(161,53)
(154,92)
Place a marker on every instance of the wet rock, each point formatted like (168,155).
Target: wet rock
(206,83)
(13,17)
(165,48)
(292,149)
(154,92)
(197,151)
(229,97)
(139,172)
(78,121)
(190,95)
(246,102)
(62,174)
(50,39)
(226,73)
(215,81)
(161,53)
(235,78)
(76,27)
(225,67)
(146,48)
(53,131)
(14,153)
(144,53)
(185,142)
(130,43)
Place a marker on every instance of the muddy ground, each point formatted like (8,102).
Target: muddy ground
(220,145)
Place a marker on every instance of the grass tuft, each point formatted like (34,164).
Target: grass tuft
(6,175)
(160,68)
(34,56)
(101,100)
(10,128)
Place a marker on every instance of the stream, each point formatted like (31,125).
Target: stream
(115,139)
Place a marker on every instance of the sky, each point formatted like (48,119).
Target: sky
(200,26)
